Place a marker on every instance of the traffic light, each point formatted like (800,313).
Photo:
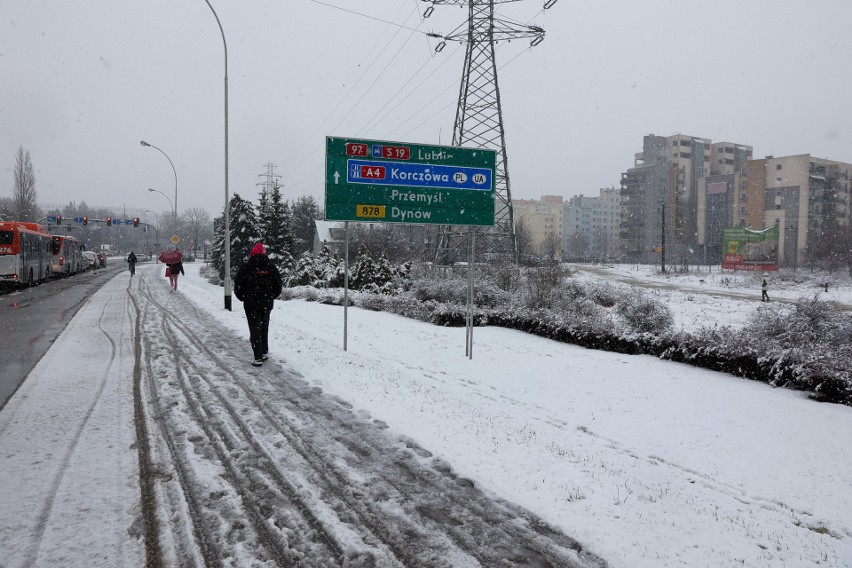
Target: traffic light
(85,221)
(136,221)
(109,221)
(59,219)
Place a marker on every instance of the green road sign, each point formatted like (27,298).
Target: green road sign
(396,182)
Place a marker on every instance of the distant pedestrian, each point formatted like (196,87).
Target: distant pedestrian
(131,263)
(256,285)
(826,286)
(173,270)
(764,286)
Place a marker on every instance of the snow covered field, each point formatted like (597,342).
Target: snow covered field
(705,297)
(646,463)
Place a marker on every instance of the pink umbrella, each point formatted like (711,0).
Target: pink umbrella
(170,256)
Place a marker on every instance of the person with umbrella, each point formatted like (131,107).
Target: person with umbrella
(174,266)
(256,285)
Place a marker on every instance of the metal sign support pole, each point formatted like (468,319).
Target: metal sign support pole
(468,347)
(345,283)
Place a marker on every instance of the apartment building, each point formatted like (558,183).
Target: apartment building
(807,197)
(538,227)
(592,226)
(664,196)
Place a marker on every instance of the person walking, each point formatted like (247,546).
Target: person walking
(173,270)
(131,263)
(256,285)
(764,286)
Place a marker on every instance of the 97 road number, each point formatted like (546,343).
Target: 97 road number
(370,211)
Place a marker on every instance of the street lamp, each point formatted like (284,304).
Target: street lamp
(174,208)
(226,212)
(170,203)
(157,228)
(157,215)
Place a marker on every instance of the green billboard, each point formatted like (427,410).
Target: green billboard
(745,249)
(397,182)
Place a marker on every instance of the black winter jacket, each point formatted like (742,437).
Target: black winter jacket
(257,283)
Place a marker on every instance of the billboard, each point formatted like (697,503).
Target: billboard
(744,249)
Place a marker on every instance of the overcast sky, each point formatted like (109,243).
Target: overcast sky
(81,83)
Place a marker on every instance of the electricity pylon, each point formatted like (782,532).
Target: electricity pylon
(271,179)
(479,124)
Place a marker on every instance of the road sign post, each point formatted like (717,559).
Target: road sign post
(395,182)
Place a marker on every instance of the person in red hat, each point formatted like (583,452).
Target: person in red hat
(256,285)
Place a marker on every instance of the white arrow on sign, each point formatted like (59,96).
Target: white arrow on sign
(336,177)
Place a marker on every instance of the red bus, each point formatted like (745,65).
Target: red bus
(25,253)
(67,255)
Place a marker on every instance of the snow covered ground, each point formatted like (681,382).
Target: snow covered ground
(644,462)
(711,296)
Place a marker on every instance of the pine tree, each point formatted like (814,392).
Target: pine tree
(383,275)
(244,230)
(328,268)
(305,212)
(217,248)
(275,222)
(304,272)
(362,272)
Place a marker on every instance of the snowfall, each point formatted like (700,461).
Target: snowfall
(627,461)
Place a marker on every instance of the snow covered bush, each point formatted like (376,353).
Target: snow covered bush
(544,285)
(641,313)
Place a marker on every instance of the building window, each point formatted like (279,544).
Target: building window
(743,197)
(778,167)
(742,211)
(744,172)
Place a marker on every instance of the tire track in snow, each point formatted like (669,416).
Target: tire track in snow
(248,485)
(421,514)
(47,509)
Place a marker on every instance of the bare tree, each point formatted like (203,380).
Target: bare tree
(24,192)
(199,226)
(524,241)
(550,248)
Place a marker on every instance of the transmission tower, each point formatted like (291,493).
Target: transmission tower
(271,179)
(479,124)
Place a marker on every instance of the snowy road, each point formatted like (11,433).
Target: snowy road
(246,466)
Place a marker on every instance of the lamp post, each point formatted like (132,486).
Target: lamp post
(157,228)
(174,208)
(226,212)
(170,203)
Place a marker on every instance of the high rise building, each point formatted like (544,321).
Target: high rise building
(664,199)
(538,227)
(808,198)
(592,226)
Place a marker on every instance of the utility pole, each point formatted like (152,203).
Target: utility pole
(271,179)
(479,124)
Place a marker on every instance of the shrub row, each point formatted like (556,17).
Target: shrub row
(780,368)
